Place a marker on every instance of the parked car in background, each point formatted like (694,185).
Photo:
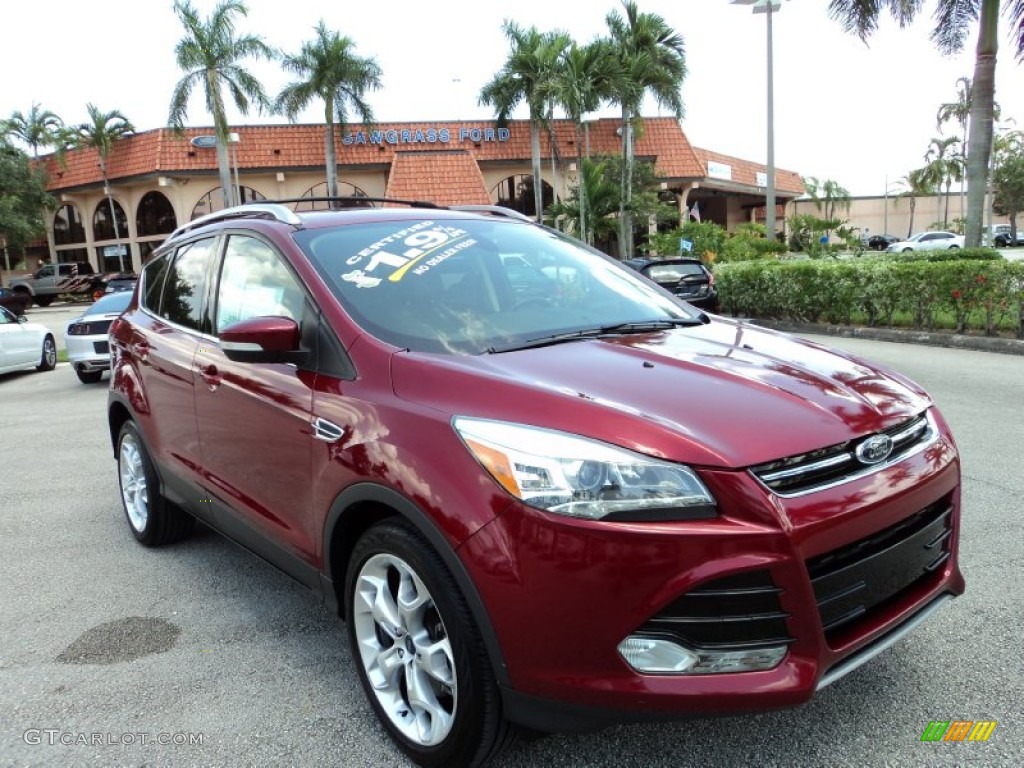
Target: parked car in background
(17,303)
(688,279)
(86,336)
(552,510)
(121,282)
(881,242)
(928,241)
(1006,239)
(53,280)
(25,345)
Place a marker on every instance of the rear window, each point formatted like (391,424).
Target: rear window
(663,273)
(468,286)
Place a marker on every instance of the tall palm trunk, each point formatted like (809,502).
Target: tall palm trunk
(913,205)
(538,192)
(980,135)
(625,196)
(220,122)
(581,193)
(329,154)
(113,215)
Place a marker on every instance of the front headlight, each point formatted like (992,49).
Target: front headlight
(574,476)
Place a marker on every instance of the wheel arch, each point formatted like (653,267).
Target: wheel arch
(361,506)
(117,415)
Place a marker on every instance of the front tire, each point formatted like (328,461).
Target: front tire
(420,657)
(48,356)
(44,301)
(152,519)
(89,377)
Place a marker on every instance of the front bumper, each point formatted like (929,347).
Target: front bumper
(562,594)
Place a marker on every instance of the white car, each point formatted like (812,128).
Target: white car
(25,345)
(86,336)
(928,241)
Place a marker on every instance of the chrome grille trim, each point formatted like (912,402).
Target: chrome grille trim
(909,439)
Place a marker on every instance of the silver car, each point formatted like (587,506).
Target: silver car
(928,241)
(86,336)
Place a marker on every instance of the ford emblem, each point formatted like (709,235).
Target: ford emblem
(875,449)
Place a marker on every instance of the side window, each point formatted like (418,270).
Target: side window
(153,282)
(185,284)
(46,271)
(254,282)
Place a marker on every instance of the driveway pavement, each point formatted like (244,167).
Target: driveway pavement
(110,648)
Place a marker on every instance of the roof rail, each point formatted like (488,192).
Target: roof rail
(354,201)
(497,210)
(259,210)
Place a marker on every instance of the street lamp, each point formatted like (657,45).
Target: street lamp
(769,8)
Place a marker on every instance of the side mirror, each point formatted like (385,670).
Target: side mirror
(269,339)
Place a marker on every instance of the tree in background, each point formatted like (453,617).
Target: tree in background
(23,199)
(946,166)
(100,133)
(528,76)
(651,58)
(594,200)
(954,19)
(330,70)
(209,54)
(827,195)
(918,183)
(38,128)
(1008,178)
(581,82)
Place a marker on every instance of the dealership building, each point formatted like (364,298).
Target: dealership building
(161,179)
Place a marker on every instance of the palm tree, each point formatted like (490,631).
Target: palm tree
(582,82)
(100,133)
(651,58)
(953,19)
(827,195)
(944,161)
(526,77)
(918,183)
(209,55)
(38,128)
(330,70)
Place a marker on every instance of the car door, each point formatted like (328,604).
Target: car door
(163,342)
(18,345)
(254,418)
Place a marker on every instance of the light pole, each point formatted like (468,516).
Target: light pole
(234,139)
(769,8)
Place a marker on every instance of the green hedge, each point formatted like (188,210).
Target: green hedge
(963,294)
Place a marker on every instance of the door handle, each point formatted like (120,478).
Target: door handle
(210,375)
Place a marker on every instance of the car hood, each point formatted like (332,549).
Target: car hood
(723,394)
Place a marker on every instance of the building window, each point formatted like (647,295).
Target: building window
(344,190)
(155,215)
(69,255)
(102,228)
(67,226)
(114,258)
(516,192)
(213,201)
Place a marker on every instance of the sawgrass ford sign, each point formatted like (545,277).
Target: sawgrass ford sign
(427,136)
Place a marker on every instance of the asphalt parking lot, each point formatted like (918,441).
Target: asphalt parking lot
(200,654)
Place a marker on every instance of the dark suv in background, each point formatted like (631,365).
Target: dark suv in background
(542,492)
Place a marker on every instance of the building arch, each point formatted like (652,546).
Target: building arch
(320,190)
(103,225)
(67,226)
(516,192)
(155,215)
(213,201)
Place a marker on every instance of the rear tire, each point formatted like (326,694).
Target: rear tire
(48,356)
(89,377)
(152,519)
(44,301)
(419,654)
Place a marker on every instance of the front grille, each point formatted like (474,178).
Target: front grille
(815,470)
(737,612)
(852,581)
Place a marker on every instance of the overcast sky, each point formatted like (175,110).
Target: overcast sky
(847,111)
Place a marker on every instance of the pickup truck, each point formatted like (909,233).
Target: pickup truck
(53,280)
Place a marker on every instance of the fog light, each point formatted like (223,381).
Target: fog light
(647,654)
(658,656)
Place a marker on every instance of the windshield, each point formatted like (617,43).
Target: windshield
(472,286)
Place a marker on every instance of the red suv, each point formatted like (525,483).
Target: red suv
(542,492)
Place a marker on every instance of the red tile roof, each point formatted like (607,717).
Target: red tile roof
(278,147)
(745,172)
(446,178)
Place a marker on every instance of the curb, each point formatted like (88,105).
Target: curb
(996,344)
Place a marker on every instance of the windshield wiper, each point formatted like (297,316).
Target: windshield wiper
(617,329)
